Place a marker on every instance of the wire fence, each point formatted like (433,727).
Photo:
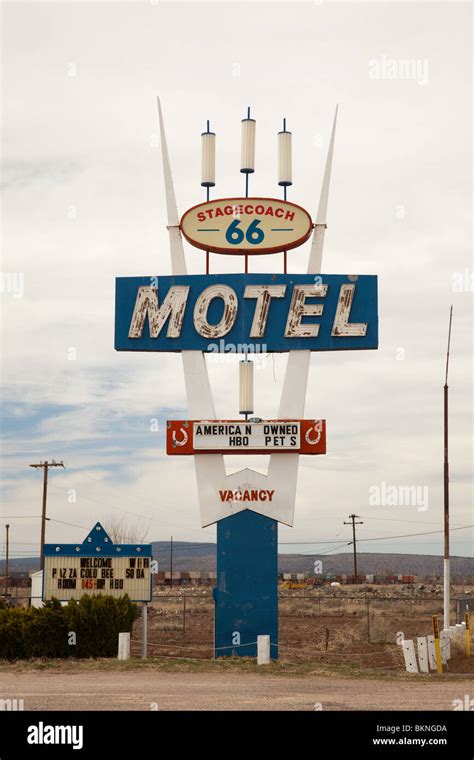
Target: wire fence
(355,629)
(349,628)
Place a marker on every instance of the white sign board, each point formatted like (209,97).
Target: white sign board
(71,577)
(252,435)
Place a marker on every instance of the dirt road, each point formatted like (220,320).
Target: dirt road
(146,690)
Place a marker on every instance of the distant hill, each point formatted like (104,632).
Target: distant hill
(201,557)
(377,564)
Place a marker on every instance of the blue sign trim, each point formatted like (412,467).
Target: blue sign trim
(97,542)
(363,310)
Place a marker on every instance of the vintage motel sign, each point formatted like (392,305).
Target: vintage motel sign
(97,566)
(184,437)
(246,225)
(246,312)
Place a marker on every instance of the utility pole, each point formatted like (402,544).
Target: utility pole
(354,523)
(7,527)
(171,563)
(447,573)
(45,466)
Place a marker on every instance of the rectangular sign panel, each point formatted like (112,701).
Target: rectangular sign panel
(241,437)
(258,313)
(67,577)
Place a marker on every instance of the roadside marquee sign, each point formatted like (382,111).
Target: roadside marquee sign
(97,566)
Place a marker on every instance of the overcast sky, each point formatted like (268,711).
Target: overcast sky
(83,203)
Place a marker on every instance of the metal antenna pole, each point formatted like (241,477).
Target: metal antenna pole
(171,562)
(446,563)
(7,528)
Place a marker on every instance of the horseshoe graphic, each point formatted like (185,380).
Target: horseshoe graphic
(183,442)
(313,441)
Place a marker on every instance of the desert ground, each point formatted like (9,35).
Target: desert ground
(74,687)
(338,651)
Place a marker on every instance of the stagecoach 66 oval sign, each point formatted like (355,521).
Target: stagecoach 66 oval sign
(246,225)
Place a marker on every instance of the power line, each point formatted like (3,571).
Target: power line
(21,517)
(134,497)
(334,549)
(401,519)
(73,525)
(379,538)
(408,535)
(128,511)
(301,543)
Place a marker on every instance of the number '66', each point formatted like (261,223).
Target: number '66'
(235,235)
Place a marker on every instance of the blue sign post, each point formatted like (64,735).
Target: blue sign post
(246,595)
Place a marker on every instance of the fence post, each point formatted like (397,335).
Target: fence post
(263,650)
(409,655)
(423,654)
(144,628)
(431,652)
(184,616)
(439,664)
(123,646)
(468,634)
(445,645)
(368,620)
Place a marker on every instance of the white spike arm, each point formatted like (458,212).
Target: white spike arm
(198,387)
(210,469)
(285,471)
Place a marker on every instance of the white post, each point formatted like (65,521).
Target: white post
(263,650)
(446,601)
(431,652)
(144,628)
(423,654)
(445,644)
(124,646)
(409,655)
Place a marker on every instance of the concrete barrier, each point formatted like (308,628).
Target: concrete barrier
(123,646)
(410,656)
(431,652)
(263,650)
(423,654)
